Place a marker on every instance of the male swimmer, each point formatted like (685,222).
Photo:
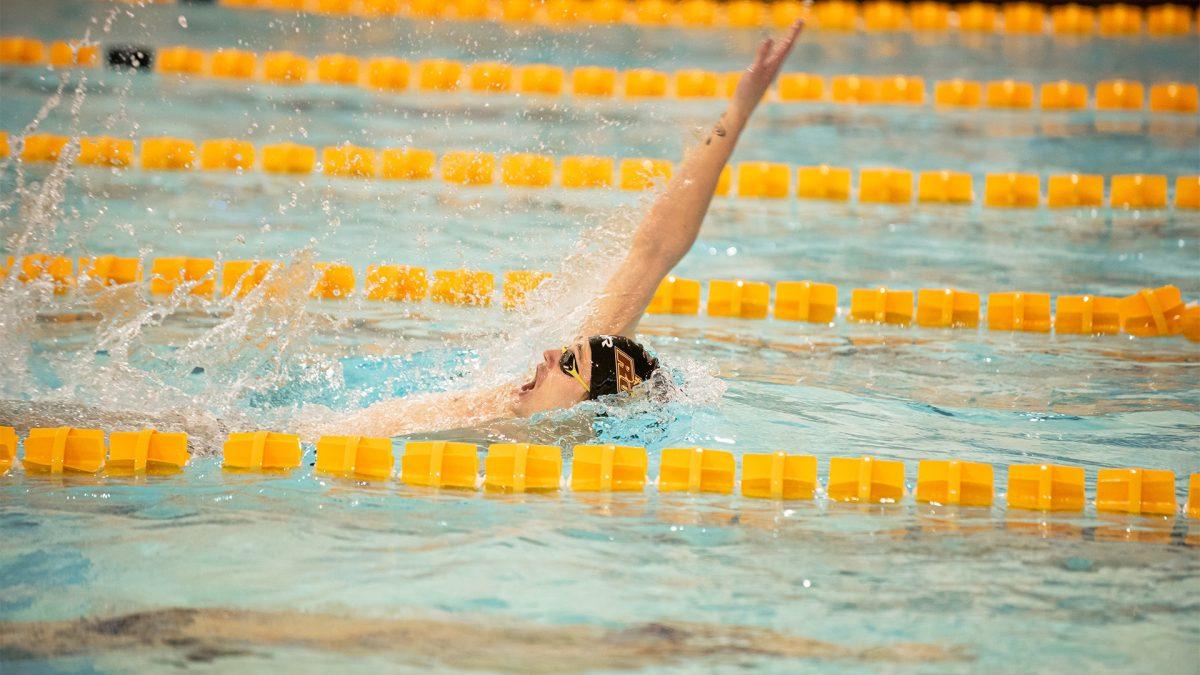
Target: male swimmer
(608,360)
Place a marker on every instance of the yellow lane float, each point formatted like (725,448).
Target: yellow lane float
(440,464)
(335,281)
(1074,190)
(148,449)
(885,186)
(355,456)
(396,282)
(805,301)
(472,288)
(1136,491)
(468,168)
(520,283)
(823,182)
(522,467)
(197,274)
(779,475)
(1087,315)
(945,187)
(406,163)
(240,277)
(608,468)
(954,483)
(1153,312)
(289,158)
(108,270)
(676,295)
(1017,311)
(73,54)
(1138,191)
(64,448)
(739,298)
(1012,190)
(947,308)
(262,451)
(116,153)
(881,305)
(865,480)
(8,448)
(1045,487)
(696,470)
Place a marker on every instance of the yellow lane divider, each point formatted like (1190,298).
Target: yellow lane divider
(1157,312)
(1012,18)
(395,75)
(754,180)
(527,468)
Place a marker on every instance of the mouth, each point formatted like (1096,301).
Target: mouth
(537,377)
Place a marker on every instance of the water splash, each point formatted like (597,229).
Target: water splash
(258,360)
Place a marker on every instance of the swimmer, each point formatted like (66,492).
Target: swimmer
(606,360)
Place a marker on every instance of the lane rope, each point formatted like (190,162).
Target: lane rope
(545,82)
(1064,22)
(516,468)
(755,180)
(1151,312)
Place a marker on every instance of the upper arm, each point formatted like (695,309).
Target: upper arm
(619,307)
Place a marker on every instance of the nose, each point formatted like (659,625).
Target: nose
(550,355)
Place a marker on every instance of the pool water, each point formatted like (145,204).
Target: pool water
(309,572)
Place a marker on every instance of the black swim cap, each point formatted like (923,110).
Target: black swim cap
(618,364)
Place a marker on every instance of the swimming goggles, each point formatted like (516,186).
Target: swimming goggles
(568,365)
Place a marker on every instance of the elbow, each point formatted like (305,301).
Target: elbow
(650,252)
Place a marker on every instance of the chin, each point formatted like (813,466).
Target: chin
(526,404)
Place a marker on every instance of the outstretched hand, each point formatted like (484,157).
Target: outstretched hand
(758,77)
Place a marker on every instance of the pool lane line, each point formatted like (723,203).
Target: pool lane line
(544,82)
(1068,23)
(1146,313)
(516,468)
(754,180)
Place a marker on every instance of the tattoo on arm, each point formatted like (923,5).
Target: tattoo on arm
(719,130)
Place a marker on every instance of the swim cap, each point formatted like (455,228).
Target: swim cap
(618,364)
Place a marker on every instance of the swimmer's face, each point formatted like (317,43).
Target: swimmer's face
(551,388)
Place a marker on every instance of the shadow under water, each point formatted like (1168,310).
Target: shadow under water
(203,635)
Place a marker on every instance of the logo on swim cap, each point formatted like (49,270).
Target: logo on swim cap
(619,365)
(626,376)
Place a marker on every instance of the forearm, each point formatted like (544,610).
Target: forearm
(673,222)
(670,228)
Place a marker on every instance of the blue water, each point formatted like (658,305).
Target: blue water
(1003,590)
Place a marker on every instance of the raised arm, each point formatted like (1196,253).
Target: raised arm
(670,227)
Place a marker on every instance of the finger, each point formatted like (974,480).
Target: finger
(764,51)
(785,46)
(796,29)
